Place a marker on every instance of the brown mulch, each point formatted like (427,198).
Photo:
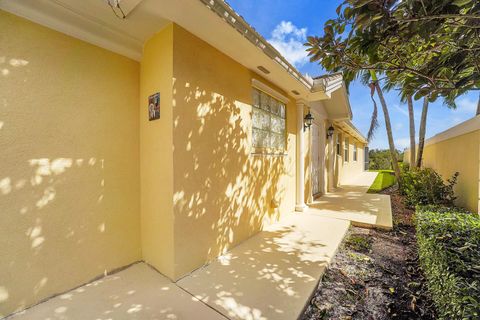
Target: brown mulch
(375,275)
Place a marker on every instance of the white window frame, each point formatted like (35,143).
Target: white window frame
(355,152)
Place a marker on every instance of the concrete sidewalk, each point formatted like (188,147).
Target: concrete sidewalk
(273,274)
(352,202)
(270,276)
(138,292)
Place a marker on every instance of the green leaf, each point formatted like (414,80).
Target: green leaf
(377,17)
(461,3)
(361,3)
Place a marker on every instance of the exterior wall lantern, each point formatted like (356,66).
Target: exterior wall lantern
(307,121)
(330,131)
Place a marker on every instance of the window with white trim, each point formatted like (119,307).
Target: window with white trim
(346,150)
(355,152)
(268,123)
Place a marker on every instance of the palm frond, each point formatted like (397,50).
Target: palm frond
(365,77)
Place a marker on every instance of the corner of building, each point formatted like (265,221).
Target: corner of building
(156,153)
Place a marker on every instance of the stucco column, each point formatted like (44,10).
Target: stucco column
(331,162)
(300,201)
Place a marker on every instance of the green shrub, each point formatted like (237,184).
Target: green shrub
(449,250)
(425,186)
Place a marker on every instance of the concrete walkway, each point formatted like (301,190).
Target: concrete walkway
(352,202)
(270,276)
(138,292)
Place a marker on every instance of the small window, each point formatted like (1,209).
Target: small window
(338,145)
(354,152)
(269,122)
(346,150)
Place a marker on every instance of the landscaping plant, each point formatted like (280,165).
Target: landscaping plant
(449,251)
(426,187)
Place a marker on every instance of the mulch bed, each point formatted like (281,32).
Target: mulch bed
(375,275)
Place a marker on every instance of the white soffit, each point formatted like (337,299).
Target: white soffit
(350,128)
(197,18)
(338,106)
(93,21)
(128,5)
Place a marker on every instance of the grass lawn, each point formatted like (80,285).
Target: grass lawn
(385,179)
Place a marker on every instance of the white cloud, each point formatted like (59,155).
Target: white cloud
(401,110)
(402,143)
(288,39)
(466,104)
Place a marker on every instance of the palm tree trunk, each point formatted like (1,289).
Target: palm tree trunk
(411,117)
(421,135)
(388,126)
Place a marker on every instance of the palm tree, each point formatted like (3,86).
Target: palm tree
(388,126)
(406,97)
(421,136)
(411,118)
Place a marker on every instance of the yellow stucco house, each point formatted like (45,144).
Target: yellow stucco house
(89,183)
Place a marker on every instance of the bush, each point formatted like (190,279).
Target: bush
(426,187)
(449,250)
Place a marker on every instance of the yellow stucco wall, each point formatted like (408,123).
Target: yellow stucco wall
(156,153)
(69,173)
(460,153)
(345,170)
(222,192)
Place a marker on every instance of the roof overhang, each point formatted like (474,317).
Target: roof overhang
(93,21)
(211,20)
(348,127)
(338,106)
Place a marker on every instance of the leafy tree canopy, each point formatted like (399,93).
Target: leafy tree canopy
(381,159)
(428,48)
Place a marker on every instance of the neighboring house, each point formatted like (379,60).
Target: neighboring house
(457,150)
(88,184)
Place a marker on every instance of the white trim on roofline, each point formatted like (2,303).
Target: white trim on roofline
(229,15)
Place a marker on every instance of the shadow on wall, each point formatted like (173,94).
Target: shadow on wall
(63,165)
(37,229)
(222,193)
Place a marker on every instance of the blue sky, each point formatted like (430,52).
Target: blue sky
(287,23)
